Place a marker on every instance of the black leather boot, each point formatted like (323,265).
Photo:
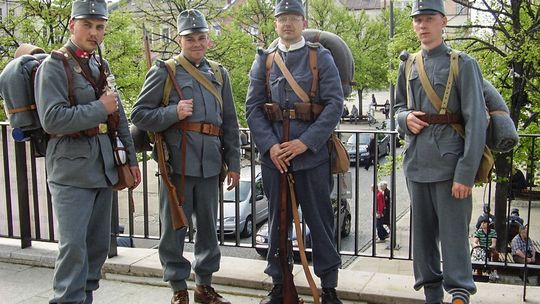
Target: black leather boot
(274,297)
(329,296)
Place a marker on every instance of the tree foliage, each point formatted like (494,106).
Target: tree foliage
(123,50)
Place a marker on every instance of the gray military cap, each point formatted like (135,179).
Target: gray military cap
(89,9)
(191,21)
(289,7)
(427,7)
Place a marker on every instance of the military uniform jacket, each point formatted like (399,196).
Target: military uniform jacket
(203,152)
(438,152)
(314,134)
(85,162)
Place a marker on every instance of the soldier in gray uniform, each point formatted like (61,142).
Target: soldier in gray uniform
(203,156)
(438,163)
(79,159)
(306,153)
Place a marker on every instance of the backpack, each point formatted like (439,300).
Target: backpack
(17,90)
(341,53)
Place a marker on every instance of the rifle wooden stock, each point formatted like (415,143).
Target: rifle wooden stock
(178,217)
(147,52)
(289,293)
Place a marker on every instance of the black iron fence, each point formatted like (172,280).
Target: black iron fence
(26,210)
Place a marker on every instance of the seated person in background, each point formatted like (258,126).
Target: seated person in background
(521,244)
(514,223)
(486,237)
(354,113)
(345,111)
(514,216)
(523,249)
(486,214)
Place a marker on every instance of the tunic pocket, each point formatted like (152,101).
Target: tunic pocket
(186,86)
(71,148)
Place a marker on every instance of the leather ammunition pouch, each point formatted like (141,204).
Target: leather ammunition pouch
(302,111)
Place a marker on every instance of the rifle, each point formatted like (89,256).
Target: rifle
(178,217)
(289,293)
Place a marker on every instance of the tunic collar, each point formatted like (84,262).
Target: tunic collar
(441,49)
(295,46)
(77,51)
(198,66)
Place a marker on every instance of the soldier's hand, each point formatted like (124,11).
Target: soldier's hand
(291,149)
(136,175)
(184,108)
(232,179)
(414,123)
(108,99)
(461,191)
(275,152)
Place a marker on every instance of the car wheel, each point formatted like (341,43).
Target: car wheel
(263,252)
(346,227)
(248,227)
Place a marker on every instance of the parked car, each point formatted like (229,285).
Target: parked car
(245,221)
(383,144)
(344,213)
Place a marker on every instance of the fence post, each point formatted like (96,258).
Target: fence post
(22,194)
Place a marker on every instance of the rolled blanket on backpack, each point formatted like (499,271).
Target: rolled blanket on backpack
(501,134)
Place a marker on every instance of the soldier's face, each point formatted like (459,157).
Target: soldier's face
(428,29)
(194,46)
(289,27)
(87,33)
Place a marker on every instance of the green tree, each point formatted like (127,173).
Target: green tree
(251,25)
(123,49)
(366,37)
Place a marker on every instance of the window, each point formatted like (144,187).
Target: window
(165,34)
(460,9)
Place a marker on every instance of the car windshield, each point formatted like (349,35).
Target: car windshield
(363,139)
(228,196)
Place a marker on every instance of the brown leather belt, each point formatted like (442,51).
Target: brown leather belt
(100,129)
(449,118)
(201,127)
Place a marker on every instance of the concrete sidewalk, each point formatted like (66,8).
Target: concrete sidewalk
(134,276)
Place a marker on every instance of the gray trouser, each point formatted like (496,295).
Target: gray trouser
(313,194)
(201,202)
(437,216)
(84,230)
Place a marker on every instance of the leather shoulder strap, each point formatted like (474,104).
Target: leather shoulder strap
(314,71)
(433,97)
(426,85)
(408,70)
(217,70)
(268,64)
(195,73)
(172,72)
(290,79)
(170,66)
(63,55)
